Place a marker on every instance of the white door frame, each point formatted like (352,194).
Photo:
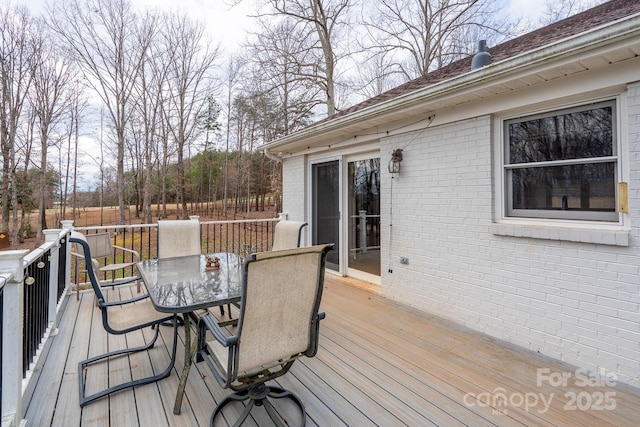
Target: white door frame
(344,261)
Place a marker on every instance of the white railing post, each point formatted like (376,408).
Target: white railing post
(282,216)
(362,224)
(67,224)
(11,267)
(53,236)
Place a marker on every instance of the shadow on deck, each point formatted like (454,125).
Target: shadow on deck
(379,363)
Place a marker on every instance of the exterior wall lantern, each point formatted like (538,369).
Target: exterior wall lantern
(394,163)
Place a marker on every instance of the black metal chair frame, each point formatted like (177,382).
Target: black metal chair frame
(103,305)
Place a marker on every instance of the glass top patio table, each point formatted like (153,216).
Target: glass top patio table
(182,284)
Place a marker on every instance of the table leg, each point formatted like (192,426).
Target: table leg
(189,351)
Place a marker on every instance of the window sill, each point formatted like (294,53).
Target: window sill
(599,236)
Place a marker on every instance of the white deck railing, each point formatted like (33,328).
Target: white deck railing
(29,305)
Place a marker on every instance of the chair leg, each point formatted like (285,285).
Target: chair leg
(258,396)
(280,393)
(84,400)
(222,311)
(235,397)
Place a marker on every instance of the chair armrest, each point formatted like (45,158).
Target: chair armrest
(313,346)
(96,266)
(208,322)
(135,253)
(94,262)
(126,301)
(223,374)
(126,281)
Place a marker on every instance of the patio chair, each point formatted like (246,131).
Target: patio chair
(121,317)
(287,235)
(178,238)
(278,323)
(103,259)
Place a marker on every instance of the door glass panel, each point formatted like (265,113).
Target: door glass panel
(326,209)
(364,215)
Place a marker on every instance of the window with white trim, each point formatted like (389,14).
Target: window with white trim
(563,164)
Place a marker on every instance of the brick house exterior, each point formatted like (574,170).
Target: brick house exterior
(564,285)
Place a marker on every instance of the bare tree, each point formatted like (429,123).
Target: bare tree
(234,66)
(188,85)
(256,120)
(150,88)
(324,20)
(280,61)
(77,106)
(24,147)
(555,10)
(163,172)
(16,71)
(208,120)
(50,97)
(376,76)
(102,36)
(422,35)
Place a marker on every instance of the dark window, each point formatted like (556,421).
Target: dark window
(563,164)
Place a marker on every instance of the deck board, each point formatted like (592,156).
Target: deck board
(378,363)
(53,381)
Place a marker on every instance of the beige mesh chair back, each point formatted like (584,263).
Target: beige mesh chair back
(178,238)
(278,323)
(287,235)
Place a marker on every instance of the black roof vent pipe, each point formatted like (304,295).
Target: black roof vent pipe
(481,58)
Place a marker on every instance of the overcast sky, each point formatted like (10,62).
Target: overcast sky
(525,8)
(228,25)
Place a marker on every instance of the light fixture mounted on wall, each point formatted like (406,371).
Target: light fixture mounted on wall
(394,163)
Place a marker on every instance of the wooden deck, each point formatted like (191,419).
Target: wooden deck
(379,363)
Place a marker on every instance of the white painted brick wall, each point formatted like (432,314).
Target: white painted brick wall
(294,190)
(577,302)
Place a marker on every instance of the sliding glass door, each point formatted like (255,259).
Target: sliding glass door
(356,230)
(325,224)
(364,215)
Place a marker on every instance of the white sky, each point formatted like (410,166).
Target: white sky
(525,8)
(226,24)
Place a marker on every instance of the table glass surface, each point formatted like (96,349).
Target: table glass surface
(182,284)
